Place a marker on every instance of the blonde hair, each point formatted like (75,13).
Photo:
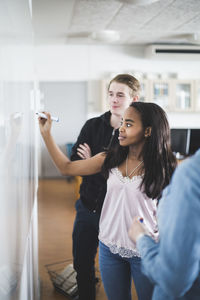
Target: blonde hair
(128,80)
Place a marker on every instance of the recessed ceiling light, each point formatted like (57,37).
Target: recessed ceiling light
(139,2)
(106,35)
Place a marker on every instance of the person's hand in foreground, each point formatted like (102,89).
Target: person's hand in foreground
(137,229)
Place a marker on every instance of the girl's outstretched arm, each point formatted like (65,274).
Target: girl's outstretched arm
(66,167)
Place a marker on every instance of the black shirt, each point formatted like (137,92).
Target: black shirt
(98,134)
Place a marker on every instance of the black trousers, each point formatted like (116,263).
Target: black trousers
(85,244)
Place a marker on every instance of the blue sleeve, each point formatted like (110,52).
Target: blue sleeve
(173,263)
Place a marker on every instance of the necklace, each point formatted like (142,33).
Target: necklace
(133,171)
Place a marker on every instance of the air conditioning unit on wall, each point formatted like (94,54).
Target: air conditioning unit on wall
(173,52)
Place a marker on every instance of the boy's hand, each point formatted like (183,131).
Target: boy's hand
(84,151)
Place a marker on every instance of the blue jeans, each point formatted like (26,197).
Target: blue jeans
(85,244)
(116,273)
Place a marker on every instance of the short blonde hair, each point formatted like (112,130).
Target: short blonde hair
(128,80)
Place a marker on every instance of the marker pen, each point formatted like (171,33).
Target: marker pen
(42,115)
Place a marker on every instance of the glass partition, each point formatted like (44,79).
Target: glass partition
(18,156)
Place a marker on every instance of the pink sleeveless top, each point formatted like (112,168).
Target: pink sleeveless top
(124,200)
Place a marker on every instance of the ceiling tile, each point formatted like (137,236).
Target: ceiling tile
(93,15)
(175,15)
(132,17)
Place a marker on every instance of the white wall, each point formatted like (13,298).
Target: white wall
(184,120)
(90,62)
(79,62)
(67,100)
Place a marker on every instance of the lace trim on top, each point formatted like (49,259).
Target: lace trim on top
(117,172)
(123,252)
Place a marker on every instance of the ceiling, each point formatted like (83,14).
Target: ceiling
(75,21)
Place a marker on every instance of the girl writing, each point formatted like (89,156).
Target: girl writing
(137,170)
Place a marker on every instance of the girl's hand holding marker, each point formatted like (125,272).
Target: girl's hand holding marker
(43,116)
